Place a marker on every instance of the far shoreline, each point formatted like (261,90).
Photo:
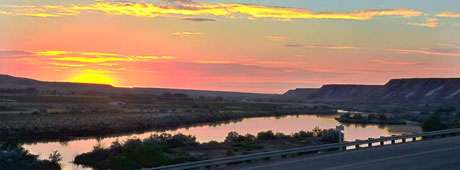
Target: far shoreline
(65,134)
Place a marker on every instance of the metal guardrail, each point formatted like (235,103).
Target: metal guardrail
(309,149)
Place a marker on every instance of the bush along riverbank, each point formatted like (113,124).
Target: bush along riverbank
(442,118)
(14,157)
(165,149)
(369,119)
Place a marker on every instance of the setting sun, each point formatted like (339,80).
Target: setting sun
(94,77)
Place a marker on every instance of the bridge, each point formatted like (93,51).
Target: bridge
(432,150)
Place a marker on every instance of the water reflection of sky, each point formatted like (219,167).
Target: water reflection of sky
(218,132)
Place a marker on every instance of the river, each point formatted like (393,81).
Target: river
(218,132)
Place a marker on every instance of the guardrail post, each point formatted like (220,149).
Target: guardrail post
(382,142)
(340,129)
(357,145)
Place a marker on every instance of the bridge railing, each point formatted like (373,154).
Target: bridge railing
(358,144)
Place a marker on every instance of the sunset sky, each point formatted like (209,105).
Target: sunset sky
(238,45)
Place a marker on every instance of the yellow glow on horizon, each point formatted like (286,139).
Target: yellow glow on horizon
(93,77)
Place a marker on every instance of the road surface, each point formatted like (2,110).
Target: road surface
(442,154)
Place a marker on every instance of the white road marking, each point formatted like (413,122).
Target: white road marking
(393,157)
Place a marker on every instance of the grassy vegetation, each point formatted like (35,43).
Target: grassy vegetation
(14,157)
(98,119)
(442,118)
(167,149)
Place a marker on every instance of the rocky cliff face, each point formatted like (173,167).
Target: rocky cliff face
(422,90)
(345,93)
(300,93)
(416,91)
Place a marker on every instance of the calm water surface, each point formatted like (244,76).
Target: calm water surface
(218,132)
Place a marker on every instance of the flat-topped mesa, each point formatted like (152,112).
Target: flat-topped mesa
(413,90)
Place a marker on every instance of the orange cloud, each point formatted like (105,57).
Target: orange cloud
(449,15)
(430,23)
(188,8)
(187,34)
(51,53)
(92,59)
(39,11)
(98,57)
(68,65)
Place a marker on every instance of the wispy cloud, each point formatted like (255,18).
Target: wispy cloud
(39,11)
(294,45)
(13,53)
(190,8)
(82,57)
(98,57)
(322,46)
(449,15)
(391,62)
(199,19)
(449,45)
(335,47)
(68,65)
(430,23)
(276,38)
(187,34)
(432,52)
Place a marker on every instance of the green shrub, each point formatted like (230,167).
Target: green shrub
(357,116)
(303,134)
(330,136)
(55,157)
(169,140)
(433,123)
(235,138)
(137,154)
(13,157)
(268,135)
